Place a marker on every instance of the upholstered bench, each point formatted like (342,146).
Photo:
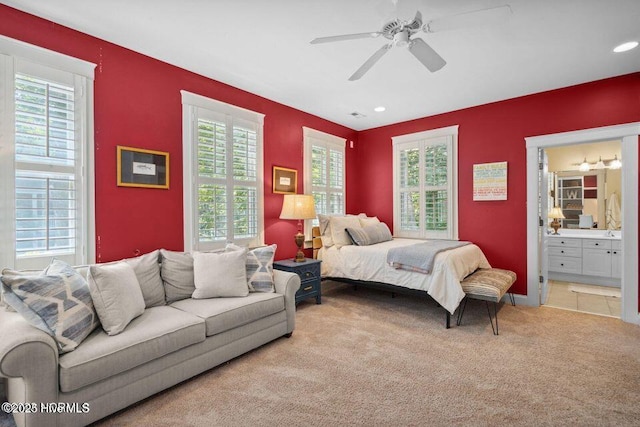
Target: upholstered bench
(489,285)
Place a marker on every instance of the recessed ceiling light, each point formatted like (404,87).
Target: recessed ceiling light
(379,109)
(625,47)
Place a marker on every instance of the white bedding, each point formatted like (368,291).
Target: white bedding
(369,263)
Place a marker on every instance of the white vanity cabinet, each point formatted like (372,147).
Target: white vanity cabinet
(585,260)
(616,259)
(596,257)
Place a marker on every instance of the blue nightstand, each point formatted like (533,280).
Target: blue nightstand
(309,272)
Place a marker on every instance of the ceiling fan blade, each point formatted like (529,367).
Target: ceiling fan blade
(331,39)
(425,54)
(370,62)
(494,15)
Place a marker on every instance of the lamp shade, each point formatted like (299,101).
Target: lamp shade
(298,206)
(556,213)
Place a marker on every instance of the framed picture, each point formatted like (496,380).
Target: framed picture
(285,181)
(142,168)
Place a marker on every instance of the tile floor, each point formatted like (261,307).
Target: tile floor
(561,297)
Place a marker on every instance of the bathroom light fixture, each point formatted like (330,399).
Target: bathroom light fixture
(584,166)
(615,163)
(600,164)
(379,109)
(625,46)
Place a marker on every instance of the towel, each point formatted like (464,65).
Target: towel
(613,213)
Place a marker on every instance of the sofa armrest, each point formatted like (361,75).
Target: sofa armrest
(287,284)
(29,358)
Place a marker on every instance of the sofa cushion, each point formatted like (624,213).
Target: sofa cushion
(157,332)
(57,301)
(177,275)
(223,314)
(220,274)
(116,295)
(147,269)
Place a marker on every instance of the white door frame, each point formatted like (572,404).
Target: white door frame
(629,134)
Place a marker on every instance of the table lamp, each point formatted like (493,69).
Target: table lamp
(555,213)
(298,206)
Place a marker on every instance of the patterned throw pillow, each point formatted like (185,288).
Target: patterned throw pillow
(259,267)
(56,301)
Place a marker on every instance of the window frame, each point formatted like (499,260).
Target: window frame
(18,57)
(443,136)
(312,137)
(191,105)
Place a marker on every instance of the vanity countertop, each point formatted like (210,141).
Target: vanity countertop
(588,234)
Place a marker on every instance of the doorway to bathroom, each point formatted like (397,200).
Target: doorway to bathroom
(584,231)
(538,222)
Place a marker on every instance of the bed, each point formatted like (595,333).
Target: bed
(367,265)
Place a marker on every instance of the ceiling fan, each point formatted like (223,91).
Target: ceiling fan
(400,33)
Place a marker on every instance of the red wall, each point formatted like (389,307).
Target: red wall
(491,133)
(138,103)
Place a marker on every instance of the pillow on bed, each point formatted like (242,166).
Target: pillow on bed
(368,220)
(338,225)
(369,235)
(325,229)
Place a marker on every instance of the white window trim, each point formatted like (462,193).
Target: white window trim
(450,132)
(189,161)
(332,142)
(12,51)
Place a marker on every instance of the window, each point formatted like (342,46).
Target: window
(425,184)
(47,120)
(223,174)
(324,173)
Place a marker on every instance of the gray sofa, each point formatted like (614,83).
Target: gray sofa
(165,345)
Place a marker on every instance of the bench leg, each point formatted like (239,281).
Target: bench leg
(512,298)
(461,311)
(495,311)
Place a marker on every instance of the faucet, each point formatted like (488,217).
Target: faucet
(609,233)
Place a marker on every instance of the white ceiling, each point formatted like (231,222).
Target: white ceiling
(263,47)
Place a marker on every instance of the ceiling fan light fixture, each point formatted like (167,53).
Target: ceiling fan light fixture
(401,39)
(379,109)
(625,46)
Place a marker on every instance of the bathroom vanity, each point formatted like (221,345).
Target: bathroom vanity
(586,256)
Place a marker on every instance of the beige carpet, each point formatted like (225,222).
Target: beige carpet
(364,358)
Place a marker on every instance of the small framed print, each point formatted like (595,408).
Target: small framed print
(142,168)
(285,181)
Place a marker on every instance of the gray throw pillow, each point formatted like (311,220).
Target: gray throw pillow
(116,295)
(220,274)
(57,301)
(147,269)
(369,235)
(177,275)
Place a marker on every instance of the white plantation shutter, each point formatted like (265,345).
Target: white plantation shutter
(324,173)
(223,174)
(425,185)
(46,125)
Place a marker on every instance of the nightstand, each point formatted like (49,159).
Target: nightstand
(309,272)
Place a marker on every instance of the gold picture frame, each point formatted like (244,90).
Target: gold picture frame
(138,167)
(285,181)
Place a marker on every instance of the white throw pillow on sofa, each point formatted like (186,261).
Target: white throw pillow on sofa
(220,274)
(116,295)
